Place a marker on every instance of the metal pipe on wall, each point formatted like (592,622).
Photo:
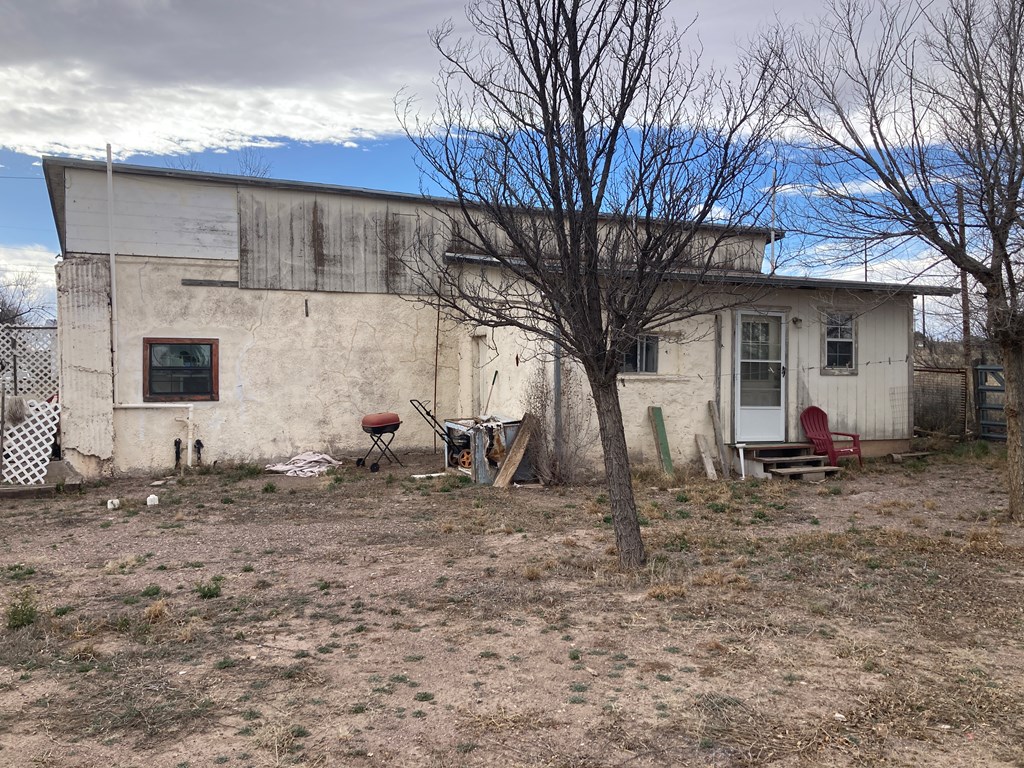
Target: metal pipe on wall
(113,276)
(188,420)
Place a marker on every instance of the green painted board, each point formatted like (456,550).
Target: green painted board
(660,438)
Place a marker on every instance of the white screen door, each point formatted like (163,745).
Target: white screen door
(760,375)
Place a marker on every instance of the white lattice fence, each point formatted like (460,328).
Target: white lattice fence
(28,361)
(28,444)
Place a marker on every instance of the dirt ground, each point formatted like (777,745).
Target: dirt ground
(379,620)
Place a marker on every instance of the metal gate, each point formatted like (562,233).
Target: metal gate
(990,395)
(940,400)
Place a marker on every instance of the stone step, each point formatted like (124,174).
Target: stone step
(800,473)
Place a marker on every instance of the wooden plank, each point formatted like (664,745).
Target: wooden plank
(794,460)
(660,438)
(899,458)
(801,471)
(210,283)
(516,451)
(723,456)
(705,454)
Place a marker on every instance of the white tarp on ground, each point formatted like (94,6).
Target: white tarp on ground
(309,464)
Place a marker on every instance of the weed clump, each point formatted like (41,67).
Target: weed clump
(207,590)
(22,611)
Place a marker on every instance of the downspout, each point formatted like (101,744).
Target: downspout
(113,277)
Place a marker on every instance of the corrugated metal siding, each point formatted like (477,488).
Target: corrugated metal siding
(83,326)
(303,241)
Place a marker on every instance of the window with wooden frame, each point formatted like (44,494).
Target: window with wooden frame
(840,342)
(641,358)
(176,370)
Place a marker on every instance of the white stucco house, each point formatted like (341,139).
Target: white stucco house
(265,318)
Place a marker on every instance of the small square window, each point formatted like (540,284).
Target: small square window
(180,370)
(840,347)
(642,357)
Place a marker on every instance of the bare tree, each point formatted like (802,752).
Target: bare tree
(593,165)
(185,163)
(904,108)
(252,162)
(21,301)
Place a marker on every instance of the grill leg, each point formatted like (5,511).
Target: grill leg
(381,443)
(384,442)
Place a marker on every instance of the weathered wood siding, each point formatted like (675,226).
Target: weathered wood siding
(303,241)
(152,216)
(874,400)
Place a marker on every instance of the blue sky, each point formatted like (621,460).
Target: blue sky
(311,83)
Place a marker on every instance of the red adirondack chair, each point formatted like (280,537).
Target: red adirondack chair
(815,424)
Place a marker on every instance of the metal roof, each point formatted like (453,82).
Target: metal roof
(760,280)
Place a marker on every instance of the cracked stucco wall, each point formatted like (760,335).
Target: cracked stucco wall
(288,382)
(83,331)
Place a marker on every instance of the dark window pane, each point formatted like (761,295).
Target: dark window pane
(181,369)
(839,354)
(181,355)
(642,357)
(650,350)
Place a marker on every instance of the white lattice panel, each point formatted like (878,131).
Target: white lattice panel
(27,446)
(28,361)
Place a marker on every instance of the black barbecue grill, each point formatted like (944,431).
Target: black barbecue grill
(381,428)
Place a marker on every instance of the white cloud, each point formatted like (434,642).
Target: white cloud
(78,116)
(162,77)
(36,259)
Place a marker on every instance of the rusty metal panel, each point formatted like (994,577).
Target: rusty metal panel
(83,323)
(298,240)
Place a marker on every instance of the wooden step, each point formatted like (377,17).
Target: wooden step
(754,447)
(801,473)
(801,459)
(778,450)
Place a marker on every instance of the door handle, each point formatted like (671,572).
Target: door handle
(783,371)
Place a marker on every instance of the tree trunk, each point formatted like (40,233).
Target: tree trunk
(1013,374)
(620,482)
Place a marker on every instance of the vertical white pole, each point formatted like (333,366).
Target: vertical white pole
(113,276)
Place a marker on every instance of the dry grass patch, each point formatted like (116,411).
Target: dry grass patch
(503,720)
(667,592)
(123,564)
(131,698)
